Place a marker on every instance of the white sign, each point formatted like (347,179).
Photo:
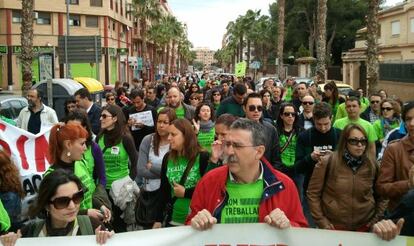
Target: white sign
(143,118)
(230,234)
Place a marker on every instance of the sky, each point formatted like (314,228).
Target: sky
(207,19)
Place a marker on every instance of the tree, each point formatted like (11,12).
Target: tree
(146,12)
(26,38)
(281,37)
(321,42)
(372,45)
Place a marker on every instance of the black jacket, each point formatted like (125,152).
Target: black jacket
(94,116)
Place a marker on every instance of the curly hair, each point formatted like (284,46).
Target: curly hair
(9,176)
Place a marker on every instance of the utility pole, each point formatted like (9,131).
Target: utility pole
(68,73)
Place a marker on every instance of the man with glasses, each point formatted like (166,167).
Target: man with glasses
(151,97)
(305,118)
(247,189)
(233,105)
(253,108)
(373,112)
(138,128)
(353,109)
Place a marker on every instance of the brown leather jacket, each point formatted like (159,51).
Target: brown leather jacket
(343,199)
(398,158)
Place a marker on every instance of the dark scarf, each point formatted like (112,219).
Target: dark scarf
(353,162)
(58,231)
(206,126)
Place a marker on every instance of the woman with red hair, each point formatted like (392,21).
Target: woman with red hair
(67,143)
(11,190)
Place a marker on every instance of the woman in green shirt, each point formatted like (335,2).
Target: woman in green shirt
(390,119)
(185,157)
(204,125)
(288,128)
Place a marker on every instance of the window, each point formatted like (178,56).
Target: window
(116,6)
(74,20)
(96,3)
(111,3)
(412,24)
(122,8)
(395,28)
(43,18)
(73,2)
(92,21)
(17,16)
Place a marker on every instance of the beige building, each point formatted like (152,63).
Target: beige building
(205,56)
(396,51)
(109,19)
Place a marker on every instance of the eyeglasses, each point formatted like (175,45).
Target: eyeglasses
(111,99)
(63,201)
(193,98)
(307,103)
(104,116)
(253,108)
(227,144)
(375,102)
(356,142)
(287,114)
(386,109)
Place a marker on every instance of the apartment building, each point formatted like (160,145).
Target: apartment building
(109,19)
(205,56)
(395,52)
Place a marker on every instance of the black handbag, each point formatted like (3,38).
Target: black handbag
(147,207)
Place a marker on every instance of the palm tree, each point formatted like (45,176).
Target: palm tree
(174,30)
(26,38)
(158,35)
(146,12)
(281,36)
(262,38)
(372,45)
(249,20)
(321,41)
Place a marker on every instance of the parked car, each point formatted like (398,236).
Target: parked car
(259,83)
(11,107)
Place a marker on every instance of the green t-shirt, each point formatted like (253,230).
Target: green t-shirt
(180,112)
(379,128)
(288,94)
(206,139)
(202,83)
(341,111)
(174,173)
(342,123)
(4,219)
(289,154)
(243,202)
(116,162)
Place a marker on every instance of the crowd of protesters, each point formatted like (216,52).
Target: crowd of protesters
(201,151)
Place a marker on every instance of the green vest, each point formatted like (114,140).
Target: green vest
(206,139)
(4,219)
(89,160)
(116,162)
(81,171)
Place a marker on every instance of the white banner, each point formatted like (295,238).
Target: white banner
(229,235)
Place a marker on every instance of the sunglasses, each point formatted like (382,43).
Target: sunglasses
(375,102)
(307,103)
(287,114)
(253,108)
(386,109)
(104,116)
(63,201)
(111,99)
(356,142)
(194,98)
(218,94)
